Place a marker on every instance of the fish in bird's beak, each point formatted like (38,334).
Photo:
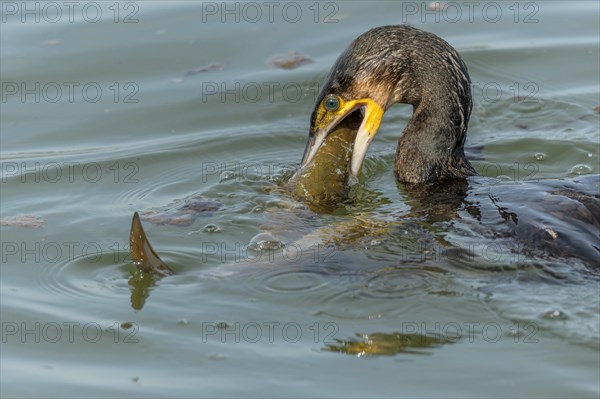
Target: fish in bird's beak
(328,114)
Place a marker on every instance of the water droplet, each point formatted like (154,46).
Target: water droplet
(581,169)
(183,322)
(268,245)
(211,228)
(590,155)
(555,315)
(257,209)
(540,156)
(222,325)
(265,242)
(227,175)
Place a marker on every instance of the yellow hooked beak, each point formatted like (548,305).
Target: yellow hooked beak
(325,121)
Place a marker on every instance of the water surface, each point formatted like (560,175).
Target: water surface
(146,127)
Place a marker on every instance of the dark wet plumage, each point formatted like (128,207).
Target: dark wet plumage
(556,219)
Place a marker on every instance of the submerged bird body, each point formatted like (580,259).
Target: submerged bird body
(402,64)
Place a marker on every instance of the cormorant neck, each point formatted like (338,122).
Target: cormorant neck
(431,147)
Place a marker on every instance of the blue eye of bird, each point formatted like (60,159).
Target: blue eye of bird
(332,103)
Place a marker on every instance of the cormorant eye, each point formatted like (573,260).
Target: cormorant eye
(332,103)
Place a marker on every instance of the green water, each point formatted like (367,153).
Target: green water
(101,119)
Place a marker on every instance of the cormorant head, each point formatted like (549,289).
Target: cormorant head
(384,66)
(349,88)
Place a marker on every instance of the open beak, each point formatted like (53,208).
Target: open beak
(372,114)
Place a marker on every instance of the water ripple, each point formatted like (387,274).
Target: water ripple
(404,282)
(95,277)
(293,281)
